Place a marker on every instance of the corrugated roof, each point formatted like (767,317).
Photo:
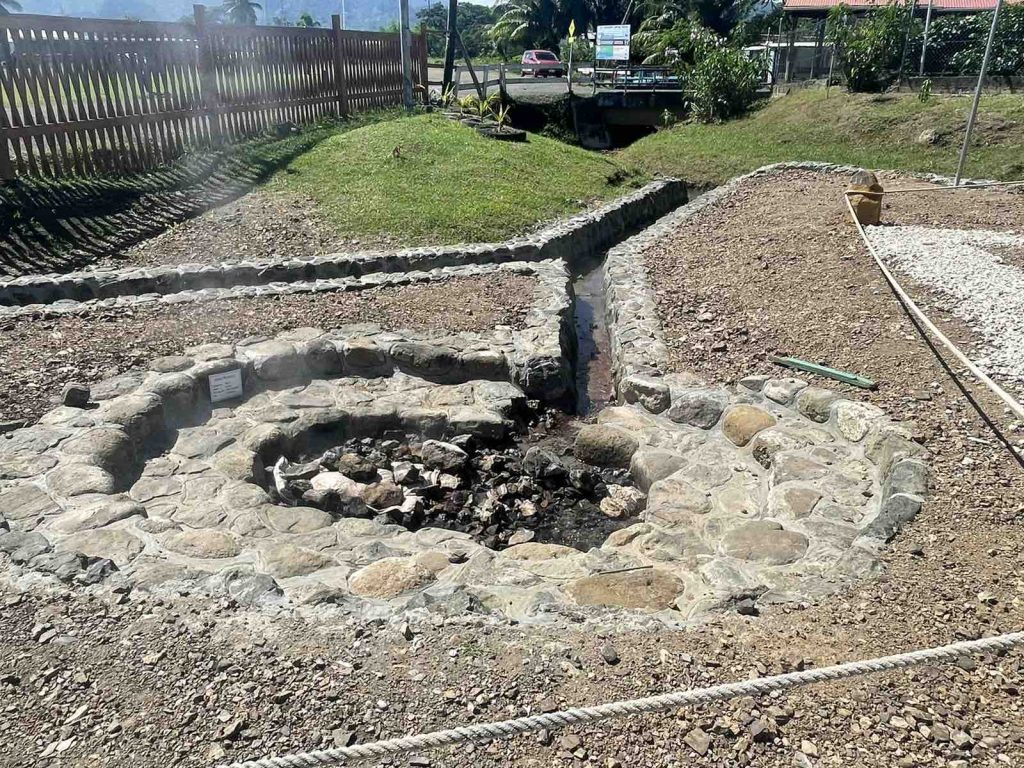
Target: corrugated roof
(938,5)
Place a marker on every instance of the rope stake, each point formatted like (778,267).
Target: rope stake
(666,702)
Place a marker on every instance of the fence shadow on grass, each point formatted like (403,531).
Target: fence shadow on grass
(60,226)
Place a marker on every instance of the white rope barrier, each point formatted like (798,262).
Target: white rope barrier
(962,188)
(671,701)
(909,302)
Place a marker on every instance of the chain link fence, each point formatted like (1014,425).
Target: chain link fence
(930,44)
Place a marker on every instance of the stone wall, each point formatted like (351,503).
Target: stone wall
(154,486)
(575,238)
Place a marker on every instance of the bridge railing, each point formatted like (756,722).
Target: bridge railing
(624,77)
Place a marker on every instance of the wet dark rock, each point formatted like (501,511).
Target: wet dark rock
(352,465)
(544,465)
(445,456)
(499,495)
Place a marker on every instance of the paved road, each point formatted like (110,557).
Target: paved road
(551,87)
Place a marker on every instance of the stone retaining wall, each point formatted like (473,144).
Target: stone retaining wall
(571,239)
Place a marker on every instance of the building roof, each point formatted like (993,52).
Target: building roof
(937,5)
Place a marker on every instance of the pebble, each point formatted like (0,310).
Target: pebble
(609,654)
(698,740)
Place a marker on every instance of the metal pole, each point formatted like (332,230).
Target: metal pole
(406,44)
(568,70)
(449,49)
(831,69)
(977,95)
(924,43)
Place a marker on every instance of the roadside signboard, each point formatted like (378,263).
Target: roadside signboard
(613,42)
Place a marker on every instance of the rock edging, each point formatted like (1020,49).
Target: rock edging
(577,237)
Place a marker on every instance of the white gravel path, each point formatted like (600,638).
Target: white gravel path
(984,290)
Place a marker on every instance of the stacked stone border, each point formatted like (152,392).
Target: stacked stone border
(537,357)
(122,488)
(640,361)
(575,238)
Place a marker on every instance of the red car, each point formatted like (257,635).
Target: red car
(542,63)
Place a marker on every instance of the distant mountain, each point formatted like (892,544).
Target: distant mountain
(358,14)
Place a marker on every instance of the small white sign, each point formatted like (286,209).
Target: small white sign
(226,386)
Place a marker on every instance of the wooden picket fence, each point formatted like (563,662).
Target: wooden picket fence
(85,97)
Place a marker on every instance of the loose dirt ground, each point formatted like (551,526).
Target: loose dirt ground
(42,354)
(258,225)
(154,683)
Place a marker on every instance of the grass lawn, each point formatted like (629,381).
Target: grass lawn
(449,184)
(858,129)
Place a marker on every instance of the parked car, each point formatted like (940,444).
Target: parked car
(542,64)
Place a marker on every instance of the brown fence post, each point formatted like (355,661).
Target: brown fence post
(207,78)
(340,81)
(6,166)
(424,65)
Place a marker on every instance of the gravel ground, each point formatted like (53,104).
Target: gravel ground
(258,225)
(151,683)
(995,208)
(41,355)
(976,283)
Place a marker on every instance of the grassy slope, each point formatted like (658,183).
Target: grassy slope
(449,185)
(859,129)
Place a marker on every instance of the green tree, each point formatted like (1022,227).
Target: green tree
(872,47)
(721,81)
(720,16)
(956,43)
(531,23)
(240,11)
(474,23)
(306,20)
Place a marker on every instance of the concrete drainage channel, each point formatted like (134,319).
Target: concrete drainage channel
(374,473)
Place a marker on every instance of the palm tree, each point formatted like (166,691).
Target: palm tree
(305,20)
(238,11)
(531,22)
(7,7)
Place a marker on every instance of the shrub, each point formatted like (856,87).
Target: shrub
(956,43)
(722,82)
(871,48)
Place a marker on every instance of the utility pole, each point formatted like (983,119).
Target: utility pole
(977,96)
(406,43)
(449,47)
